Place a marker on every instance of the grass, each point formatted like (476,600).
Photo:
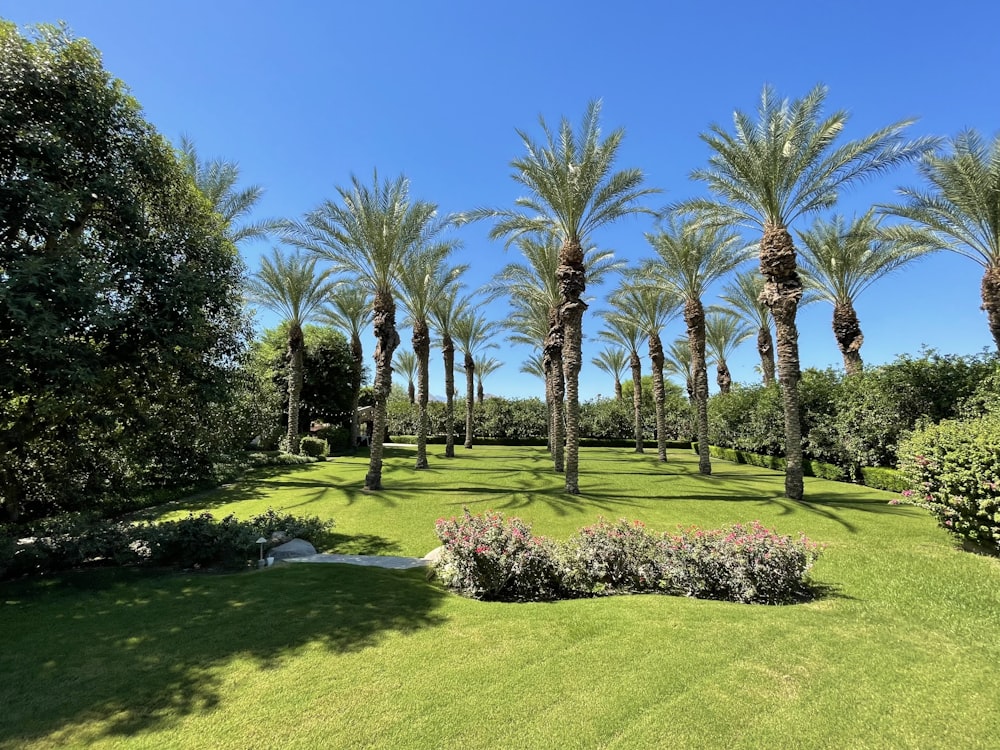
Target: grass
(901,651)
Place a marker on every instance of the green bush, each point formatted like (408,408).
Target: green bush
(201,541)
(280,527)
(259,459)
(338,439)
(313,446)
(884,478)
(953,469)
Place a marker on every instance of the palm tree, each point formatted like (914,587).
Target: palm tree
(533,366)
(677,361)
(613,361)
(623,329)
(723,333)
(422,280)
(369,237)
(533,288)
(742,295)
(405,363)
(350,310)
(960,211)
(573,191)
(688,260)
(293,289)
(484,366)
(216,179)
(445,310)
(652,307)
(472,332)
(768,173)
(839,261)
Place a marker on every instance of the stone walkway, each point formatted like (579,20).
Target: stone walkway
(379,561)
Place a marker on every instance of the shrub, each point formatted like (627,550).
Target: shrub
(74,539)
(487,558)
(748,564)
(610,558)
(312,446)
(953,469)
(260,459)
(201,540)
(338,439)
(884,478)
(280,527)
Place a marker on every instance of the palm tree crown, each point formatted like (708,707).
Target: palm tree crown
(960,211)
(613,360)
(724,332)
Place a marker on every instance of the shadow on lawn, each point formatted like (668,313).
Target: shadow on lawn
(137,651)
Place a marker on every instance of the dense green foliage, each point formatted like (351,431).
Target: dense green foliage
(120,318)
(856,421)
(954,470)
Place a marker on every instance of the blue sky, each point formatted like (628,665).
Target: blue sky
(304,93)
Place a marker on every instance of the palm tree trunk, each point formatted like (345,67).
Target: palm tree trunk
(572,284)
(847,331)
(387,339)
(781,294)
(411,392)
(659,396)
(422,348)
(296,344)
(480,395)
(357,370)
(448,350)
(990,289)
(723,378)
(553,355)
(765,348)
(618,389)
(470,402)
(636,364)
(694,318)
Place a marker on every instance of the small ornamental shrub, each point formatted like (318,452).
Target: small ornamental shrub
(486,557)
(611,558)
(199,541)
(280,527)
(953,469)
(749,564)
(312,446)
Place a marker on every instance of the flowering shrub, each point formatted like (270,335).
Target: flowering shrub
(487,558)
(739,563)
(611,558)
(953,469)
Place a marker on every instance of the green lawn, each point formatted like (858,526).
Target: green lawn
(901,651)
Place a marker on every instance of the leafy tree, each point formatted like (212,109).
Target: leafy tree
(121,321)
(690,258)
(349,309)
(840,261)
(724,332)
(613,361)
(572,190)
(767,173)
(369,237)
(960,210)
(294,289)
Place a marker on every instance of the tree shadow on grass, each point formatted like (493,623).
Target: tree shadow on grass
(129,651)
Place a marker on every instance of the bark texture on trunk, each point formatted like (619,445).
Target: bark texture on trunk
(636,365)
(990,289)
(553,362)
(470,394)
(765,348)
(296,344)
(572,278)
(411,392)
(694,318)
(618,389)
(422,348)
(847,331)
(659,395)
(387,339)
(723,378)
(357,370)
(782,292)
(480,395)
(448,350)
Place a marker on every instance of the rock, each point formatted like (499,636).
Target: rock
(292,548)
(434,555)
